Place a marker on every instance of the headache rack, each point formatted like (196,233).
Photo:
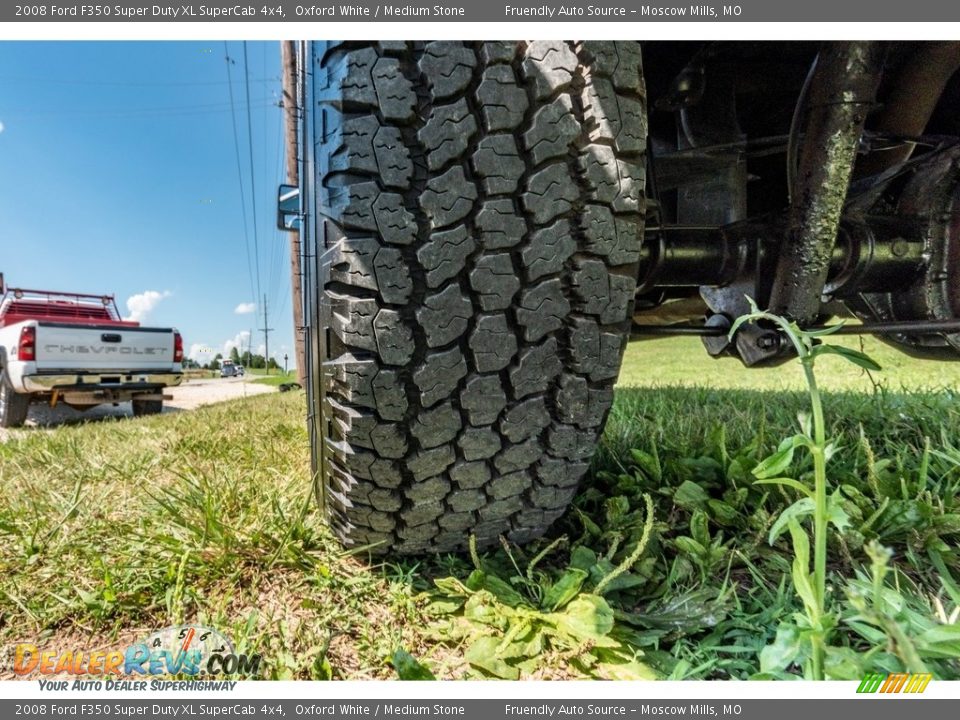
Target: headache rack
(20,304)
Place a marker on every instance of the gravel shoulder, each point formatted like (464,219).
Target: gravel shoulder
(188,396)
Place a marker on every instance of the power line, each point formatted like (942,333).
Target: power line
(272,251)
(266,114)
(236,148)
(253,184)
(277,276)
(276,286)
(131,83)
(147,113)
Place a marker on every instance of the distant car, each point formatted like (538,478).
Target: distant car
(228,369)
(238,371)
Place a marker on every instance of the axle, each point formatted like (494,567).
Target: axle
(871,255)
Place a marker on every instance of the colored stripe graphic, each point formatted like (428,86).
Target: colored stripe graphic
(894,683)
(919,683)
(870,683)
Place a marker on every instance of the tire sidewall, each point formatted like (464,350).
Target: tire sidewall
(13,409)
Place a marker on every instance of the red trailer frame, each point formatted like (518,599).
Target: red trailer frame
(20,304)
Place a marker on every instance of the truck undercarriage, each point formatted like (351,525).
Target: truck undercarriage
(485,225)
(816,179)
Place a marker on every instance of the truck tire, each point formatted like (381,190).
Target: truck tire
(480,214)
(146,407)
(13,405)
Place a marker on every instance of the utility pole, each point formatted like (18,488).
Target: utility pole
(291,106)
(266,337)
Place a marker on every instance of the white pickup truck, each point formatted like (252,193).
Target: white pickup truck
(76,349)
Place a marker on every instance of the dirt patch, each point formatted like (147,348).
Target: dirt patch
(188,396)
(195,393)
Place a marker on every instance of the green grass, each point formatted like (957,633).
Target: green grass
(276,377)
(896,492)
(97,519)
(683,361)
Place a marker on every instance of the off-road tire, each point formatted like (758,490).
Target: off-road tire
(146,407)
(13,405)
(480,214)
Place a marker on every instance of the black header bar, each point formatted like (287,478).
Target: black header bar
(326,11)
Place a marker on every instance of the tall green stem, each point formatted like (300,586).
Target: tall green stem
(820,512)
(807,350)
(814,598)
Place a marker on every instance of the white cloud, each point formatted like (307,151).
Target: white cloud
(261,349)
(240,341)
(245,308)
(1,127)
(140,306)
(201,353)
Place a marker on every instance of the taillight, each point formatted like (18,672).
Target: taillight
(177,347)
(27,347)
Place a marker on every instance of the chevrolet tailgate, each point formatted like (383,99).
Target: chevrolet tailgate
(91,348)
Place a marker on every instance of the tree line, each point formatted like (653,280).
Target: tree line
(246,358)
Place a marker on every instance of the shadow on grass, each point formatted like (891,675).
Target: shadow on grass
(44,417)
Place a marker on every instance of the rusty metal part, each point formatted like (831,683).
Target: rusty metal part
(842,91)
(931,200)
(914,92)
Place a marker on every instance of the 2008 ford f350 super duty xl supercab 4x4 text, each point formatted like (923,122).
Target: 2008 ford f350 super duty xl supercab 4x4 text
(75,349)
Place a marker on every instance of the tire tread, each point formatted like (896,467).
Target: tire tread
(482,210)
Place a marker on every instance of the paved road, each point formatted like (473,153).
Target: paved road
(188,396)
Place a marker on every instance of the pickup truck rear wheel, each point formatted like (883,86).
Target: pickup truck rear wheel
(480,213)
(147,407)
(13,405)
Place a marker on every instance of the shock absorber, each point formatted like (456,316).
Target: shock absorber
(842,91)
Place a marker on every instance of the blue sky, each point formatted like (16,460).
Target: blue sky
(118,174)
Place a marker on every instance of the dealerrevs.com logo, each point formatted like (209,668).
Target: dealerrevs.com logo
(192,650)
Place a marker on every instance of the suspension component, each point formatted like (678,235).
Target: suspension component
(886,246)
(872,254)
(875,254)
(842,91)
(715,330)
(931,202)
